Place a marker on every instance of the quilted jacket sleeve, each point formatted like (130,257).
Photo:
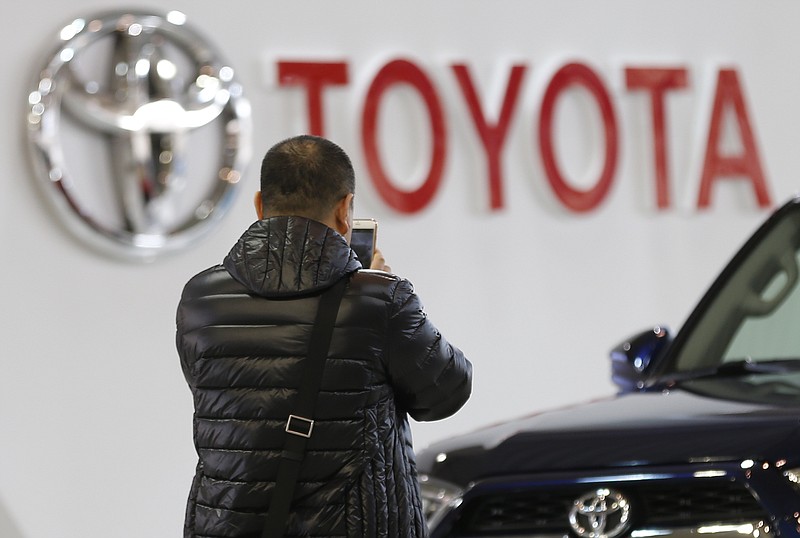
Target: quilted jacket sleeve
(431,378)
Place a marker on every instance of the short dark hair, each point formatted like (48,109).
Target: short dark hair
(306,176)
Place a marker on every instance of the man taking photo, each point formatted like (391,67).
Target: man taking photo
(244,329)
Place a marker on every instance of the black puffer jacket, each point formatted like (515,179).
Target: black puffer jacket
(242,335)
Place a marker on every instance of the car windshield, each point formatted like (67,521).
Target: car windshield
(743,340)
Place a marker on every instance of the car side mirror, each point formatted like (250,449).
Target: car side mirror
(635,359)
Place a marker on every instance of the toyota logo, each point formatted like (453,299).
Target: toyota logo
(139,131)
(602,513)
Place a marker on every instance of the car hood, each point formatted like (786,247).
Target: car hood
(658,428)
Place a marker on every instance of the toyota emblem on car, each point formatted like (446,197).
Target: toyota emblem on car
(139,132)
(602,513)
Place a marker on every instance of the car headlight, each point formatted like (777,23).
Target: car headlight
(793,476)
(438,498)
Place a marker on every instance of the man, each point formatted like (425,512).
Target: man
(242,335)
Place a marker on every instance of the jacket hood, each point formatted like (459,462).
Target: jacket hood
(289,256)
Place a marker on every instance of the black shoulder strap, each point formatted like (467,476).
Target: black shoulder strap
(300,425)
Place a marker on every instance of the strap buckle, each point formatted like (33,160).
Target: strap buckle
(299,426)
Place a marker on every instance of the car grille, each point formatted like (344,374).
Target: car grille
(654,504)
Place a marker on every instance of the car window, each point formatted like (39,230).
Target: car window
(752,312)
(776,334)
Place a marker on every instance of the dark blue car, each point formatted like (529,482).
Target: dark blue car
(702,439)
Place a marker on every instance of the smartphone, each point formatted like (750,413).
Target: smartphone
(363,238)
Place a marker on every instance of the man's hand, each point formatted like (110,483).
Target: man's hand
(379,262)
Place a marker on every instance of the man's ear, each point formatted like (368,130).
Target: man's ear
(342,215)
(259,205)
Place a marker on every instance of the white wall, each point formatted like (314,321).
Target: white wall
(95,418)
